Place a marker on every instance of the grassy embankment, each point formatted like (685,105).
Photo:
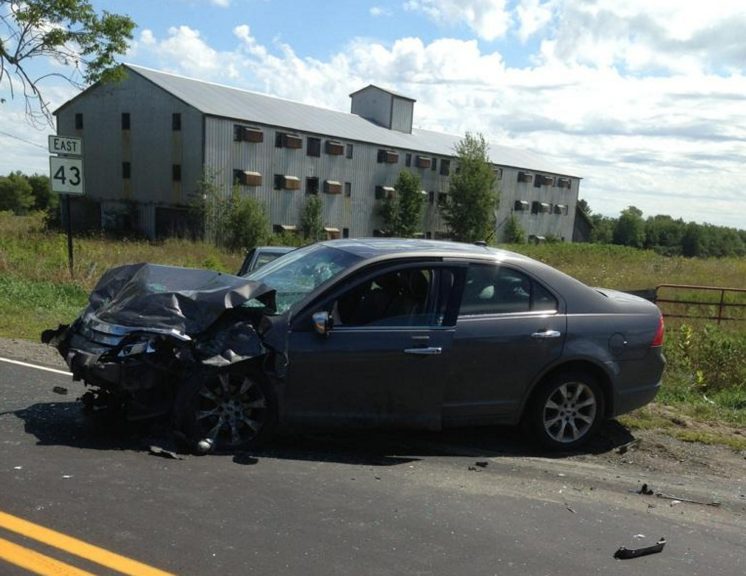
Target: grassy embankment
(704,392)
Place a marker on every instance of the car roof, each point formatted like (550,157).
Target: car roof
(368,248)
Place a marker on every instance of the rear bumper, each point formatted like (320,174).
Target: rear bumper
(641,383)
(635,398)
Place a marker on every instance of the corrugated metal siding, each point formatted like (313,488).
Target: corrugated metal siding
(374,104)
(401,115)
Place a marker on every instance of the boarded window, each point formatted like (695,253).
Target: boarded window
(383,192)
(125,120)
(313,147)
(345,232)
(388,157)
(247,178)
(524,177)
(349,151)
(126,170)
(332,187)
(176,122)
(247,134)
(540,208)
(79,121)
(348,189)
(334,148)
(176,172)
(286,140)
(445,167)
(408,160)
(285,182)
(424,162)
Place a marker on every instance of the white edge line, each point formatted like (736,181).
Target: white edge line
(9,361)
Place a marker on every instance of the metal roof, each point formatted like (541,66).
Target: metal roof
(227,102)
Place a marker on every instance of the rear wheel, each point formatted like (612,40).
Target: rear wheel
(229,410)
(566,411)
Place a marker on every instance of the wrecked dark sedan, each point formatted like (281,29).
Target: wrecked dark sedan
(375,332)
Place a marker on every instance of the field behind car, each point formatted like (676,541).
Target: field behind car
(704,393)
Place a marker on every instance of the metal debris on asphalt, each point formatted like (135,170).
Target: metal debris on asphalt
(163,453)
(60,390)
(646,490)
(626,553)
(482,463)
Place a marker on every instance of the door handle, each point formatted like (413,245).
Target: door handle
(546,334)
(430,351)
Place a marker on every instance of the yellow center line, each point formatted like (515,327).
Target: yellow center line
(35,562)
(78,548)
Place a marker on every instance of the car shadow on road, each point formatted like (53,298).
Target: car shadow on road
(65,424)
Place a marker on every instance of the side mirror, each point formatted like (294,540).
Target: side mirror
(322,322)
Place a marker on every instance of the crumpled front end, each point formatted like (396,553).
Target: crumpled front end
(149,328)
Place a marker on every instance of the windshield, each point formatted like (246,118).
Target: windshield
(296,274)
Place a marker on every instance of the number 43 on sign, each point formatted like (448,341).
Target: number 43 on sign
(66,175)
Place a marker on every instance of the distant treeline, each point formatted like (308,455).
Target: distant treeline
(21,194)
(666,235)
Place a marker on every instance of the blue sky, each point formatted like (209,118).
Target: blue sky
(645,100)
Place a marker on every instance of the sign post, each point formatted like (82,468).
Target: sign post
(66,177)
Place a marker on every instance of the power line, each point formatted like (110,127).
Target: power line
(9,135)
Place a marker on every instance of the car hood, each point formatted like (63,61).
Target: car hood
(170,299)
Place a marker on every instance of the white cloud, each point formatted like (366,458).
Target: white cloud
(377,11)
(488,18)
(532,16)
(221,3)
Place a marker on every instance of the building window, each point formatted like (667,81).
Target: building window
(126,170)
(332,233)
(498,172)
(431,197)
(408,160)
(540,207)
(285,182)
(247,134)
(521,206)
(442,199)
(383,192)
(540,180)
(312,185)
(445,167)
(348,189)
(285,140)
(79,121)
(125,120)
(247,178)
(176,122)
(345,232)
(424,162)
(434,165)
(560,209)
(388,157)
(563,182)
(524,177)
(313,146)
(176,172)
(283,228)
(334,148)
(332,187)
(349,151)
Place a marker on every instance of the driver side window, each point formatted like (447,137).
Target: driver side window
(402,297)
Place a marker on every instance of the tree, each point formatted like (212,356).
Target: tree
(44,198)
(630,228)
(584,206)
(402,212)
(71,33)
(469,210)
(513,233)
(311,221)
(16,193)
(246,223)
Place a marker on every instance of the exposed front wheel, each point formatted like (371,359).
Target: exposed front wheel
(566,411)
(229,410)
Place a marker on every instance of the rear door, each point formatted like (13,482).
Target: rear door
(509,329)
(385,361)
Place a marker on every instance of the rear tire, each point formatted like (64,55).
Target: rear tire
(566,411)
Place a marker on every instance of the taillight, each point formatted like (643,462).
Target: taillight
(658,339)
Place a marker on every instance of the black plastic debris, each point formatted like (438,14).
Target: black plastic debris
(482,463)
(645,490)
(628,553)
(60,390)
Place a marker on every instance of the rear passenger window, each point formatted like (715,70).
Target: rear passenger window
(492,289)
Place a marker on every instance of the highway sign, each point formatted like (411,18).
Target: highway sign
(65,145)
(66,175)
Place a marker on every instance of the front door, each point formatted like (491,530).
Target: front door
(384,361)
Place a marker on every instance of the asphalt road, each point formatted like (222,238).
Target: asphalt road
(393,503)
